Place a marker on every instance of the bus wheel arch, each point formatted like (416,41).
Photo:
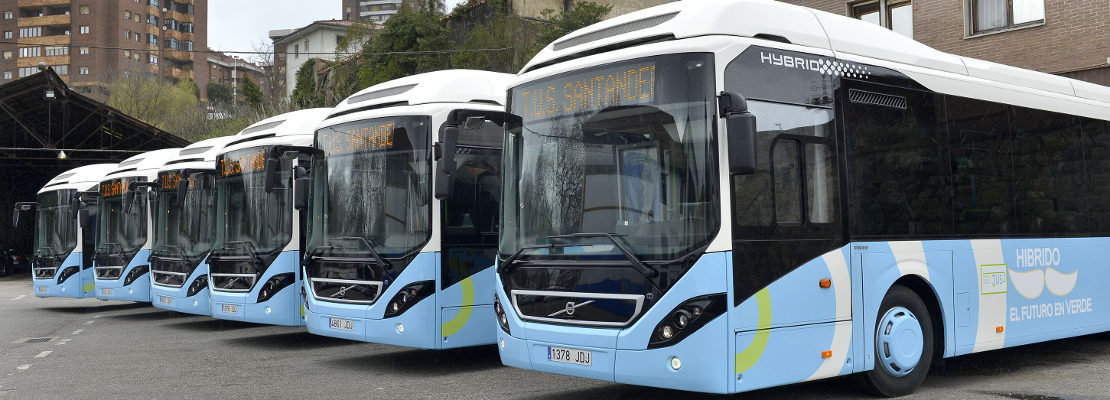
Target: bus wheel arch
(906,338)
(928,294)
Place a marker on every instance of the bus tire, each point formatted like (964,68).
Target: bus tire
(904,344)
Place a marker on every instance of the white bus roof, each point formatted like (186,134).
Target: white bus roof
(80,178)
(446,86)
(202,152)
(845,37)
(143,164)
(293,128)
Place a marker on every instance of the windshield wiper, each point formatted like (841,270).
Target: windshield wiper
(170,250)
(644,268)
(369,246)
(247,248)
(508,264)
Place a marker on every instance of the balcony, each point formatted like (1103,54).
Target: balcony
(40,3)
(177,55)
(60,19)
(179,73)
(46,40)
(34,61)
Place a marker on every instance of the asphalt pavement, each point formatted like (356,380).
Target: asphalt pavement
(68,348)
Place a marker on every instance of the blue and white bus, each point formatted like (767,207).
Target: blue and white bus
(123,228)
(386,261)
(254,266)
(184,207)
(730,195)
(63,257)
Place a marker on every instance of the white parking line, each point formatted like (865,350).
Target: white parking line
(78,332)
(89,322)
(63,341)
(20,297)
(44,354)
(23,367)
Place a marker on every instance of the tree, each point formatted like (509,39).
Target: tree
(220,93)
(408,31)
(169,107)
(503,31)
(252,93)
(305,94)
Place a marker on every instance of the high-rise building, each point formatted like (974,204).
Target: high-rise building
(379,11)
(89,42)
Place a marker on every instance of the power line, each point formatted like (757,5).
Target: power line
(415,52)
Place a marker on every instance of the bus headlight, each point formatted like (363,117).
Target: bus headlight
(66,273)
(135,274)
(687,318)
(199,284)
(275,284)
(502,319)
(408,296)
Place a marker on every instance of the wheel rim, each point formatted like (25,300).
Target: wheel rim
(900,342)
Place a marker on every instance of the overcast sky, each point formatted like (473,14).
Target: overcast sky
(237,25)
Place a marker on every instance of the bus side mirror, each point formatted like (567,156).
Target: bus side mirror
(301,186)
(272,167)
(19,209)
(74,205)
(128,200)
(445,163)
(741,133)
(182,190)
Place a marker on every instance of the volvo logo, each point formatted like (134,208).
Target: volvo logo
(341,293)
(570,308)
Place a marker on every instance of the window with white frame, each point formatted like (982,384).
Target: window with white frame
(84,29)
(896,15)
(83,70)
(7,75)
(996,15)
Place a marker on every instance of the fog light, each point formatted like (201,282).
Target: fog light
(195,303)
(676,363)
(400,328)
(63,288)
(502,344)
(130,291)
(268,309)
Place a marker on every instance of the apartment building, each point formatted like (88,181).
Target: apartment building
(294,47)
(88,42)
(379,11)
(230,70)
(1065,37)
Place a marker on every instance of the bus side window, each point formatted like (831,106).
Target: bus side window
(470,217)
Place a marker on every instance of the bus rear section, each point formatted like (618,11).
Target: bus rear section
(742,209)
(123,239)
(62,264)
(253,270)
(183,221)
(389,261)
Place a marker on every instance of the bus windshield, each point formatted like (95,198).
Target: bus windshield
(626,149)
(56,229)
(249,220)
(119,234)
(374,181)
(183,228)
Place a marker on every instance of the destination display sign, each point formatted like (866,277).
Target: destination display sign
(170,180)
(113,188)
(243,161)
(596,89)
(371,135)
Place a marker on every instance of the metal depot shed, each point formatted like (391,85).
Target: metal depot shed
(47,128)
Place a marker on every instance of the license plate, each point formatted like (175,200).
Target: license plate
(341,324)
(42,289)
(229,308)
(570,356)
(165,300)
(106,291)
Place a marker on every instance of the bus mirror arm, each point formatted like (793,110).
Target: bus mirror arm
(129,195)
(741,133)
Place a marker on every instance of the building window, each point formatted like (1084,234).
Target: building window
(61,69)
(83,71)
(992,15)
(30,32)
(127,15)
(25,52)
(57,51)
(84,50)
(135,17)
(84,29)
(7,75)
(152,39)
(127,54)
(84,10)
(896,15)
(154,60)
(296,51)
(153,3)
(135,55)
(151,20)
(127,34)
(7,15)
(7,55)
(7,34)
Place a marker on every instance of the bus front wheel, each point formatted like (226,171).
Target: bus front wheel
(904,344)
